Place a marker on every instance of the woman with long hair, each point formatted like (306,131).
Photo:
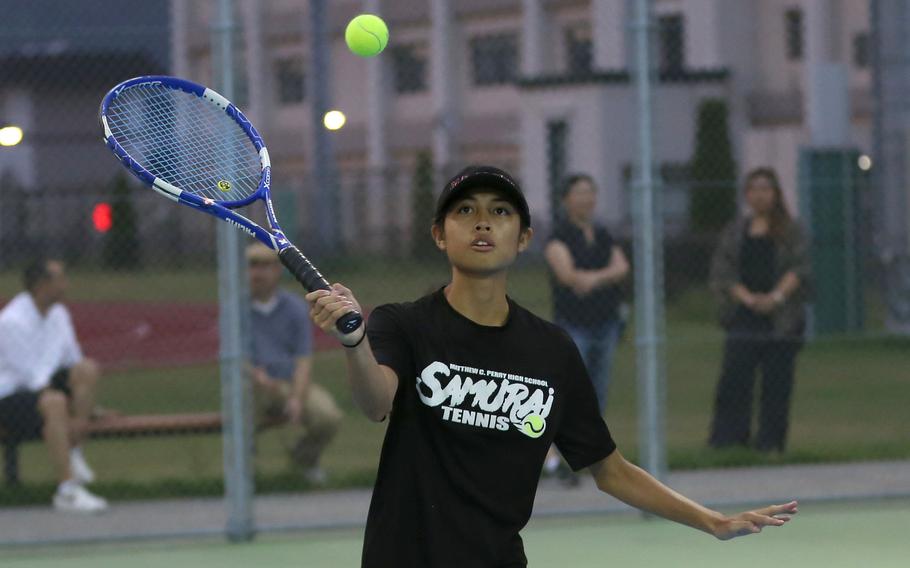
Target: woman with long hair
(760,273)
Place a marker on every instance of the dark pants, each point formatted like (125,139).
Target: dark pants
(743,354)
(19,413)
(597,346)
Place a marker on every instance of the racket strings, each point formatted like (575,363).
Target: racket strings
(185,157)
(185,141)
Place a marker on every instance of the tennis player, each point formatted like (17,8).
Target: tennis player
(476,389)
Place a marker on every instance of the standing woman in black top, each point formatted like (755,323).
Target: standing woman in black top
(476,389)
(587,268)
(760,273)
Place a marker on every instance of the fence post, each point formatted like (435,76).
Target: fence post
(235,396)
(649,322)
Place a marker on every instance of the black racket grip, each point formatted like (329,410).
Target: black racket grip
(307,274)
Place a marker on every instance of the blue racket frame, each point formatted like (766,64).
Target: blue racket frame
(274,238)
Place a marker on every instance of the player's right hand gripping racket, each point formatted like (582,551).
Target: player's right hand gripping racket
(195,147)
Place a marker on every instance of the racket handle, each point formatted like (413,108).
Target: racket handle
(349,322)
(307,274)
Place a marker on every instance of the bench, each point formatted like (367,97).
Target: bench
(122,426)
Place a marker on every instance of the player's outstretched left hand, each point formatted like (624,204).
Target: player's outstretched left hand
(752,522)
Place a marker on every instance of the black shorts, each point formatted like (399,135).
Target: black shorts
(20,418)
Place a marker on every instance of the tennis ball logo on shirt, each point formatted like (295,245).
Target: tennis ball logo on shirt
(485,398)
(533,425)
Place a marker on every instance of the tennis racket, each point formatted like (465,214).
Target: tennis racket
(193,146)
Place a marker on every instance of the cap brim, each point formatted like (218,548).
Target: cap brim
(486,180)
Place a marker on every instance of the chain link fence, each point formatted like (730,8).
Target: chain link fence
(777,340)
(138,282)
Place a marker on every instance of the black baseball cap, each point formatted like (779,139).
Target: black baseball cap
(488,177)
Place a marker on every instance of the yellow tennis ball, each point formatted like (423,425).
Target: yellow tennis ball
(366,35)
(533,425)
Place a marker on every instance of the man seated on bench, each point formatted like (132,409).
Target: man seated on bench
(47,388)
(282,344)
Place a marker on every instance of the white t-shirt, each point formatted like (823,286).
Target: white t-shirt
(34,347)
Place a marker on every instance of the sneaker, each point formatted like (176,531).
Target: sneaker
(79,467)
(72,497)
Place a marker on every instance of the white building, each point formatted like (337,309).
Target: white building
(543,87)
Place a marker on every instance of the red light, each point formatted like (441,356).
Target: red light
(102,217)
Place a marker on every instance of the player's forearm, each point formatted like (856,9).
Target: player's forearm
(636,487)
(369,387)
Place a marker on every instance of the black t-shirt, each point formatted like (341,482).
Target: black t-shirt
(476,409)
(757,257)
(601,304)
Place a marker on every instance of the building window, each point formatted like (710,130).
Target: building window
(290,80)
(793,24)
(671,34)
(861,50)
(579,50)
(409,69)
(557,163)
(494,59)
